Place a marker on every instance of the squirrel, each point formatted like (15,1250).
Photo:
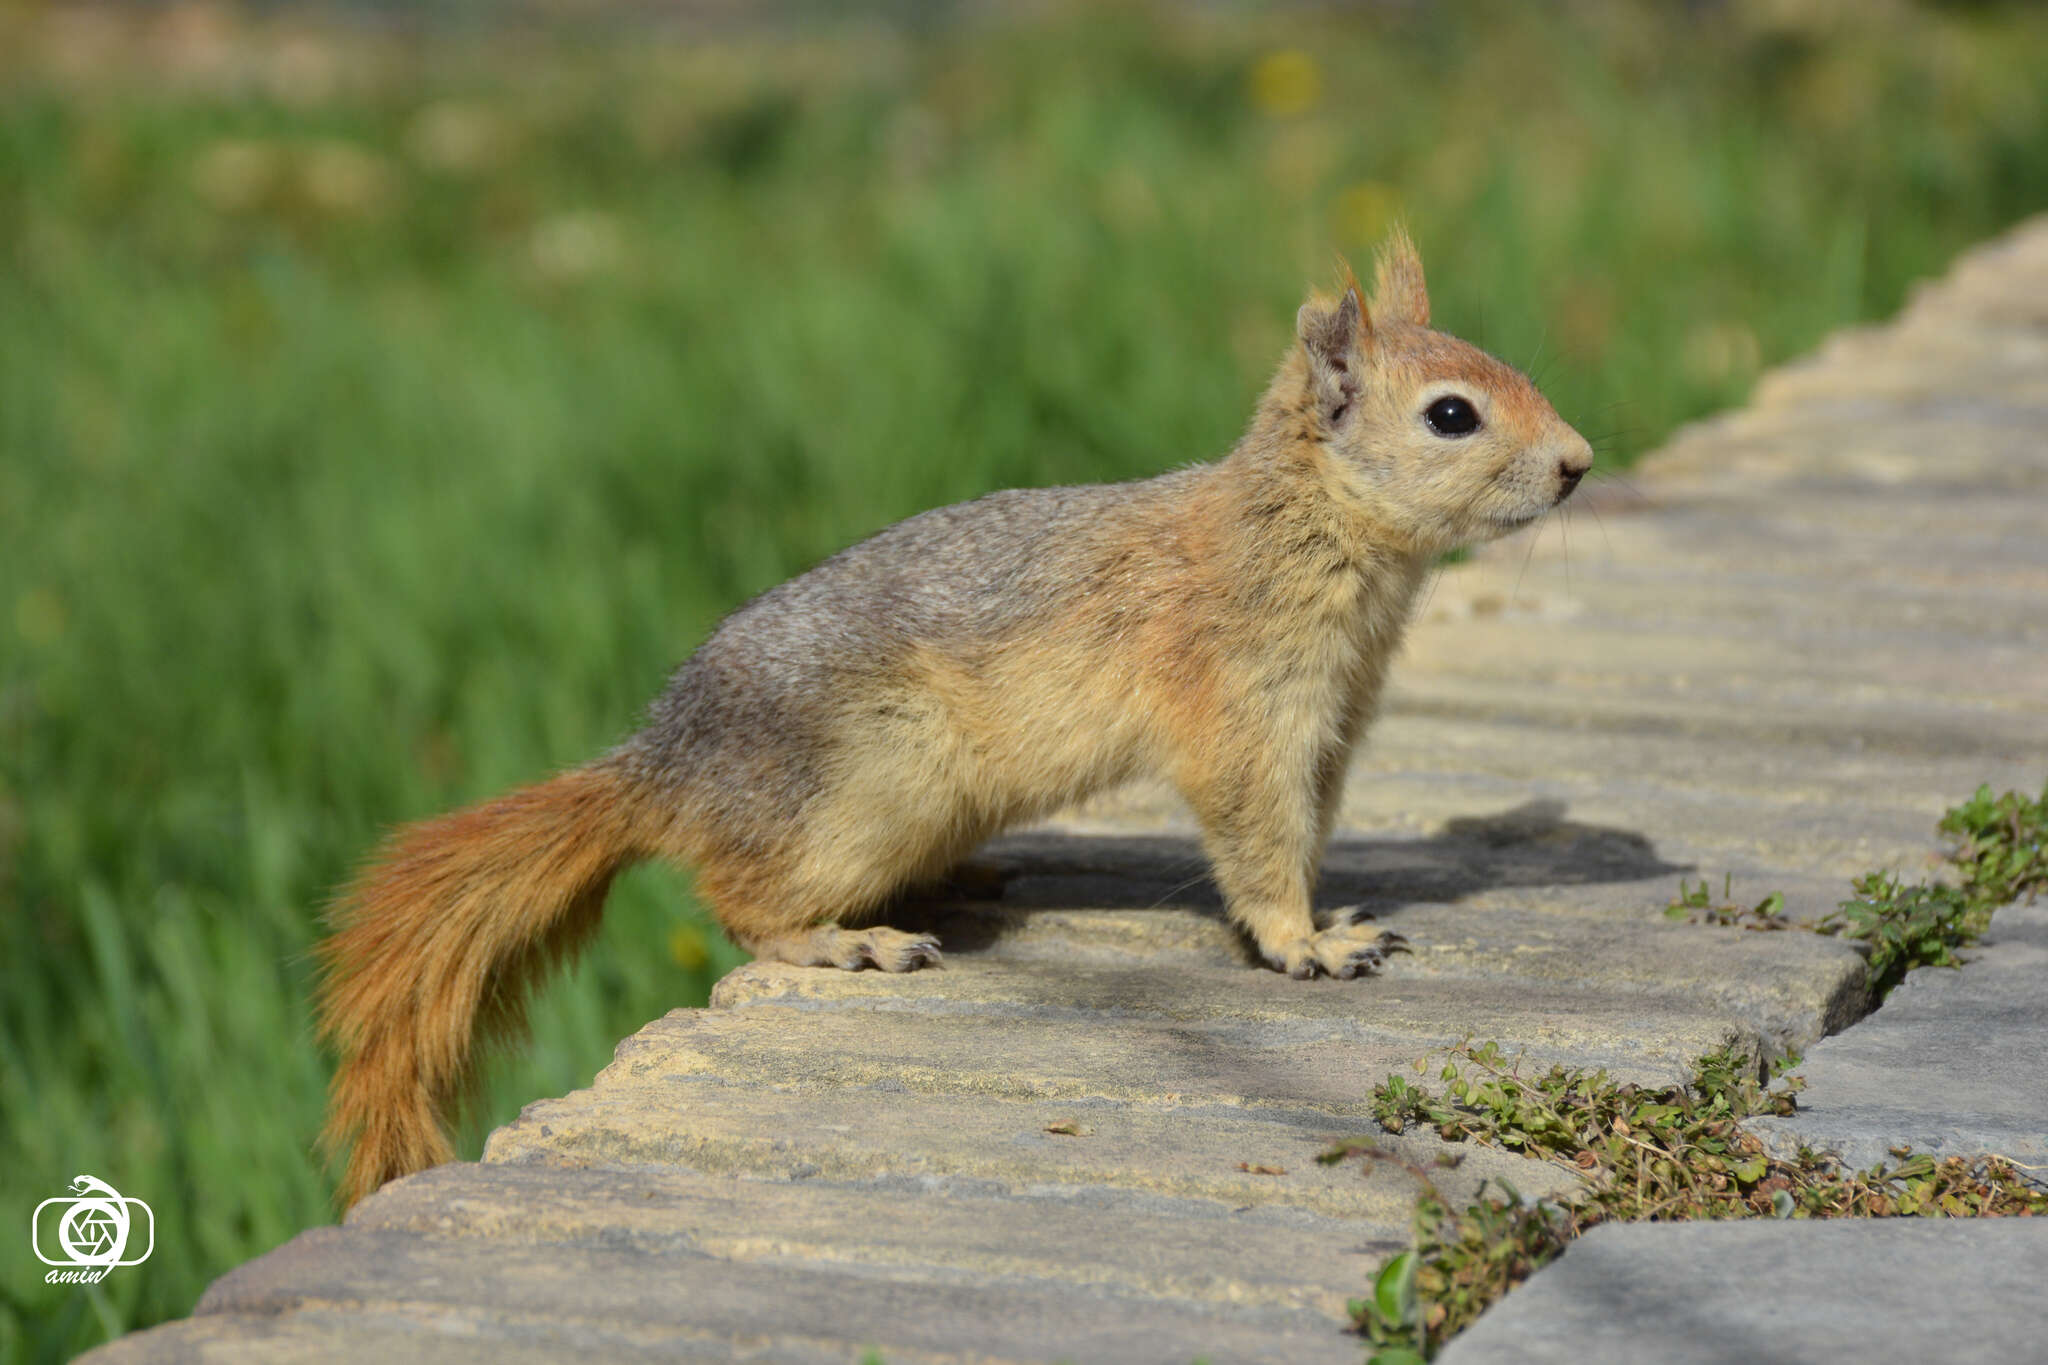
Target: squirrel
(860,728)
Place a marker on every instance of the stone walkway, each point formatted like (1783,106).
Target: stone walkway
(1777,653)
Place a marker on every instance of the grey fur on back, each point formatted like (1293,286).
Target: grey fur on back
(748,713)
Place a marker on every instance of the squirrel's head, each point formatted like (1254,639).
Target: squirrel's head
(1437,441)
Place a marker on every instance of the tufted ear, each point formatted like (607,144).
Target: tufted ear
(1334,337)
(1398,290)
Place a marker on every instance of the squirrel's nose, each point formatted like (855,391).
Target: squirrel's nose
(1573,467)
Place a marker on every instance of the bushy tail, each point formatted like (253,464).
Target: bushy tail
(437,944)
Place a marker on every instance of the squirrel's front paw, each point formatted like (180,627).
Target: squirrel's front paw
(1342,951)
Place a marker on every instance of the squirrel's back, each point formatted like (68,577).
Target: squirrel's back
(945,612)
(969,573)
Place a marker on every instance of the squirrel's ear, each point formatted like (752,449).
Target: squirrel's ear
(1335,338)
(1398,290)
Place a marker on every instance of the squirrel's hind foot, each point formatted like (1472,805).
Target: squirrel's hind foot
(828,945)
(1343,950)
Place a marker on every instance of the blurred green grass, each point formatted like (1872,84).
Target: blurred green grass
(382,416)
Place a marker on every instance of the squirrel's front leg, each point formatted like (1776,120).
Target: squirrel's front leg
(1262,823)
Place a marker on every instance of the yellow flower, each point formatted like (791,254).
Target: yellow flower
(687,948)
(1286,82)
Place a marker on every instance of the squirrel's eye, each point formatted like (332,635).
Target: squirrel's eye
(1452,416)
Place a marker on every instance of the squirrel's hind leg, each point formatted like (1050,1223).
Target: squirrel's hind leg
(784,907)
(828,945)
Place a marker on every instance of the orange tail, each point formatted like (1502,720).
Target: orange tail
(437,943)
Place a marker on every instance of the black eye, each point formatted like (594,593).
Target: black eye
(1451,416)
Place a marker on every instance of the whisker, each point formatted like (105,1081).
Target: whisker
(1534,367)
(1601,522)
(1173,891)
(1527,555)
(1616,477)
(1435,576)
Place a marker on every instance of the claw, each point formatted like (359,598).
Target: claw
(1342,952)
(851,950)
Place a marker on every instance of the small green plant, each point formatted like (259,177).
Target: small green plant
(1462,1263)
(2001,845)
(1905,926)
(1392,1317)
(1696,905)
(2000,852)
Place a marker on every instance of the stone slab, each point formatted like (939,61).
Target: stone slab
(1788,993)
(1688,826)
(1188,1151)
(1788,776)
(1201,1251)
(1964,1292)
(350,1332)
(1313,1071)
(1631,1033)
(1659,566)
(1532,849)
(1964,590)
(1913,729)
(583,1302)
(1777,661)
(1527,866)
(1952,1065)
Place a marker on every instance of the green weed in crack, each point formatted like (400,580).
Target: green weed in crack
(1999,851)
(2001,846)
(1696,905)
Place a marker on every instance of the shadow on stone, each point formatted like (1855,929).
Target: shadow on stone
(1529,845)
